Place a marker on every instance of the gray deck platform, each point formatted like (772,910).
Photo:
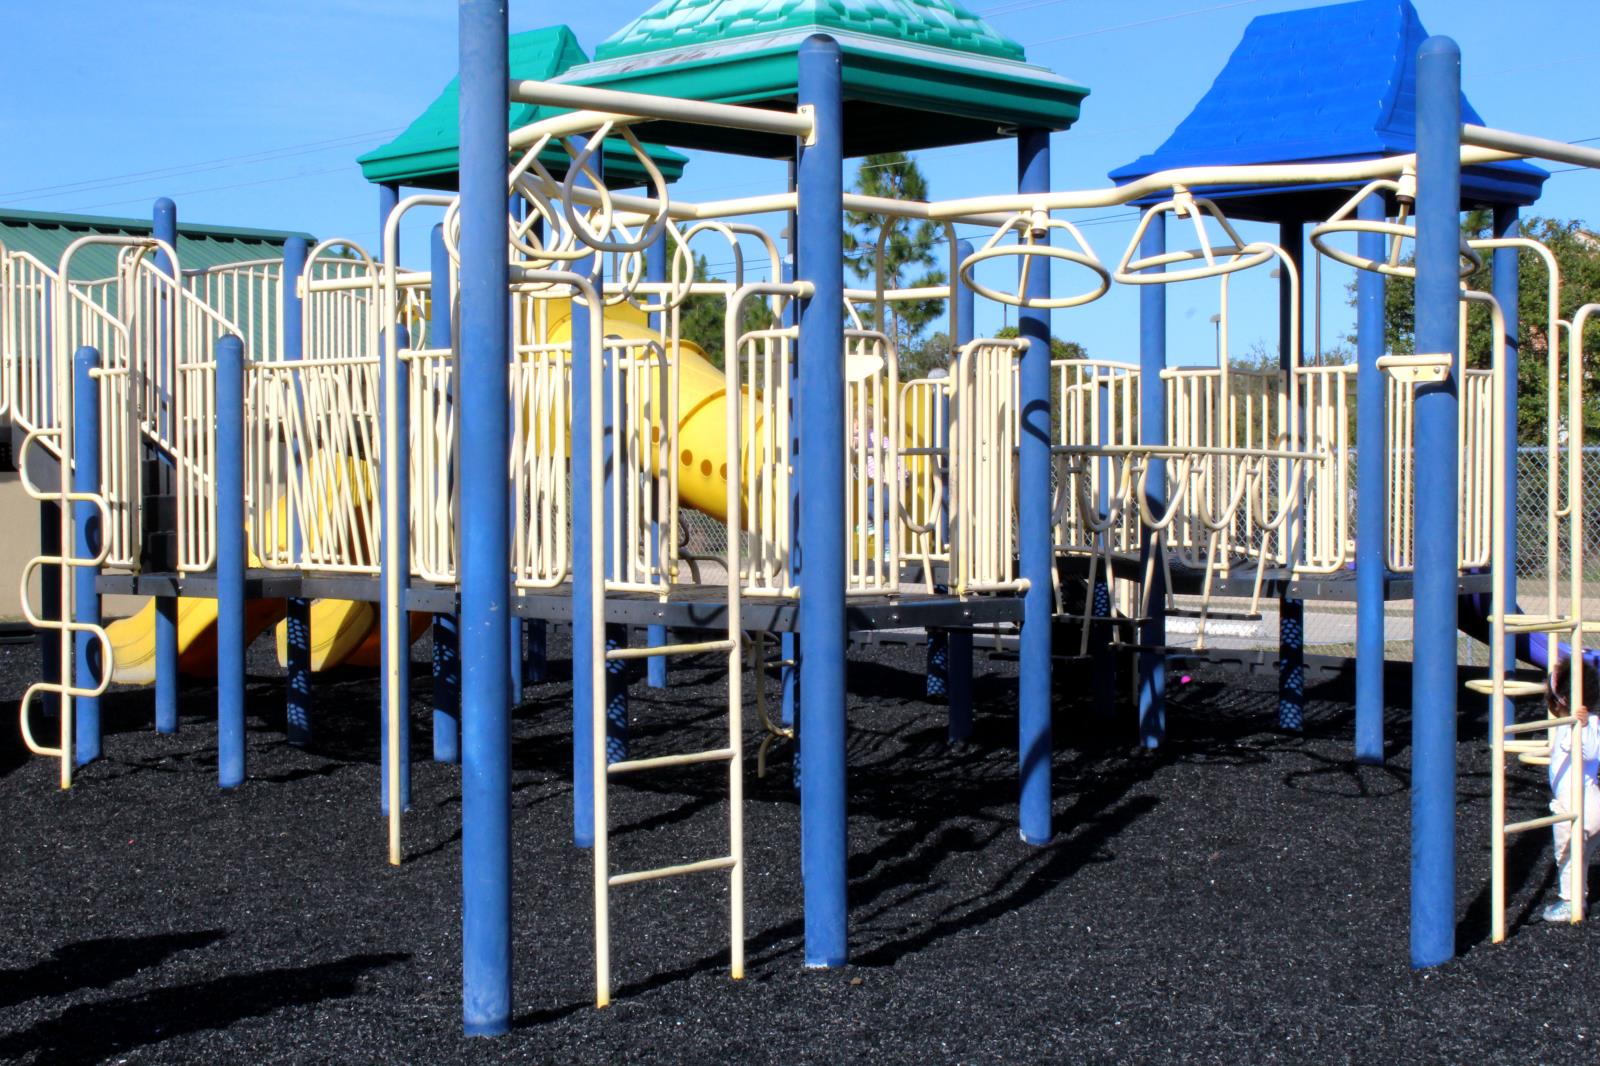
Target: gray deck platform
(686,607)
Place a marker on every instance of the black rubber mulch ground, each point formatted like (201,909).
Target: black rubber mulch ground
(1239,897)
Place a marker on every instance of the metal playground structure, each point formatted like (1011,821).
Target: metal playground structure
(523,434)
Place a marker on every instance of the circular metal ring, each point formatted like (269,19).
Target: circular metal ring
(1103,277)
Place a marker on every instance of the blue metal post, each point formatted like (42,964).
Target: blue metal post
(164,227)
(1291,611)
(446,689)
(1102,658)
(584,563)
(297,714)
(1035,550)
(484,384)
(655,265)
(166,664)
(959,642)
(824,842)
(1433,686)
(446,647)
(516,659)
(86,534)
(1371,503)
(49,601)
(396,557)
(1153,431)
(1506,286)
(534,670)
(230,561)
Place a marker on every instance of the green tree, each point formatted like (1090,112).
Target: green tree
(917,359)
(703,319)
(1577,255)
(908,254)
(1059,349)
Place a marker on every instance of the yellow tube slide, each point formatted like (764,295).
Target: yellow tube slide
(133,639)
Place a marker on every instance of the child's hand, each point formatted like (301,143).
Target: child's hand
(1582,715)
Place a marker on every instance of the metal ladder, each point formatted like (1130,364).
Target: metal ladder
(67,688)
(732,752)
(1508,739)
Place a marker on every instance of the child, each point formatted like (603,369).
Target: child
(1560,775)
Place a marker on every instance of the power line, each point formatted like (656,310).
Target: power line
(203,166)
(222,188)
(1017,6)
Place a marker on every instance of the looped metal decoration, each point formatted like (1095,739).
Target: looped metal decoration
(1033,229)
(1216,259)
(596,236)
(542,236)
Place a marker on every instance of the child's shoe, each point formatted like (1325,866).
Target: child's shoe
(1559,911)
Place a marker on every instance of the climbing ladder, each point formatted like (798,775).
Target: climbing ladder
(742,349)
(1507,736)
(68,688)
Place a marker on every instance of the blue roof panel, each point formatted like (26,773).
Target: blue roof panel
(1321,84)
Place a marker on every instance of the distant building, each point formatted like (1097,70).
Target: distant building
(45,236)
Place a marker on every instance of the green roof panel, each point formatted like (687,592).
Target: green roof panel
(45,236)
(426,153)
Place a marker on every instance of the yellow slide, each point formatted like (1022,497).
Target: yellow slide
(702,410)
(133,639)
(345,633)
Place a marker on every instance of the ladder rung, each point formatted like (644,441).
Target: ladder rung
(726,862)
(1539,623)
(629,766)
(1534,727)
(1539,823)
(1527,747)
(1529,758)
(670,649)
(1512,689)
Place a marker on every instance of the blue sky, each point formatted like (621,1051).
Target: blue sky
(253,113)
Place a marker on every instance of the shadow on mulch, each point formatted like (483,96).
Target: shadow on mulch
(94,1031)
(1236,871)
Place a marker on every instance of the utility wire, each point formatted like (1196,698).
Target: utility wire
(1017,6)
(200,167)
(236,185)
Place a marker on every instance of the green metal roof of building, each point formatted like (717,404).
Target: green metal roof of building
(45,236)
(917,73)
(427,153)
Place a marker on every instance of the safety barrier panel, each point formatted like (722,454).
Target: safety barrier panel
(1096,402)
(924,526)
(872,458)
(983,462)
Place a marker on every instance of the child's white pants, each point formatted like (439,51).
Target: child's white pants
(1562,831)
